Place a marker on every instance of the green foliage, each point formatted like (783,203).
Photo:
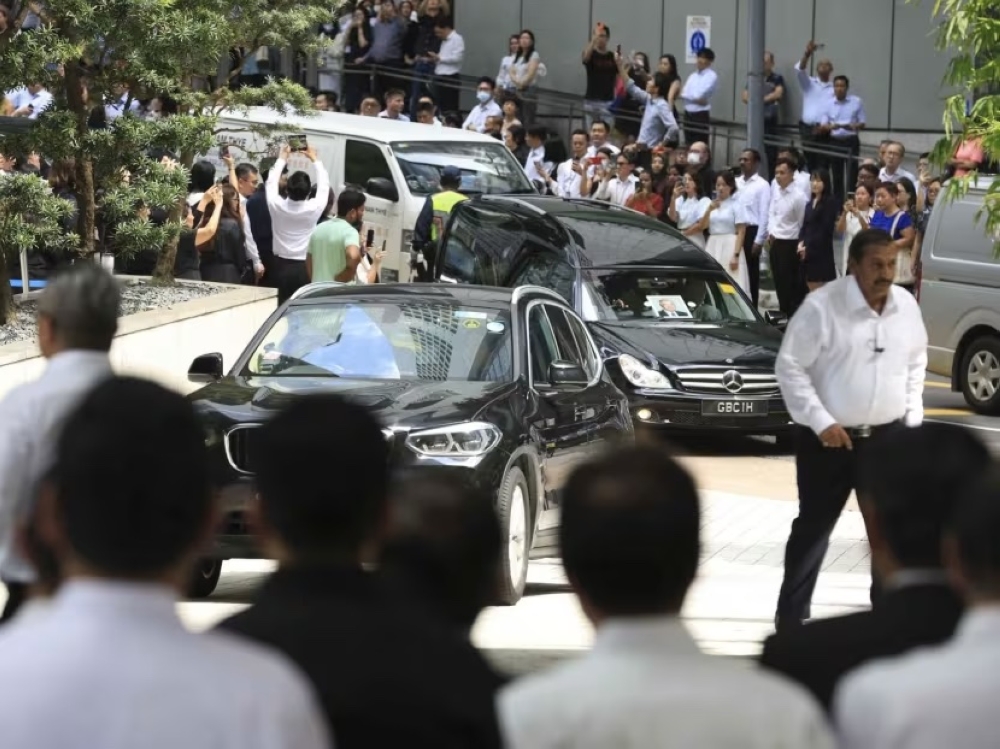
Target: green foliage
(969,30)
(153,47)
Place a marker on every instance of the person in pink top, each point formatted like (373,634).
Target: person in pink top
(968,157)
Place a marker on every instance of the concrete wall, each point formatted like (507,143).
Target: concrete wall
(161,344)
(885,47)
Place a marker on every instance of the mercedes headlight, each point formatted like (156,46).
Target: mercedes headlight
(469,440)
(642,376)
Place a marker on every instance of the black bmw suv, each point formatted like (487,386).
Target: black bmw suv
(679,336)
(505,387)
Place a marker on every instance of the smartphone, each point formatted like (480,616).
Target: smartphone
(224,152)
(370,239)
(298,142)
(618,50)
(594,160)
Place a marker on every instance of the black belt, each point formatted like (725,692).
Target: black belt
(866,431)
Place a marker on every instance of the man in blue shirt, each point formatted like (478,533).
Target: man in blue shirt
(658,124)
(843,119)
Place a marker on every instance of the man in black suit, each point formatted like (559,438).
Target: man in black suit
(386,672)
(913,482)
(260,226)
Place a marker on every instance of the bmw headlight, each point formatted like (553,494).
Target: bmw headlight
(469,440)
(642,376)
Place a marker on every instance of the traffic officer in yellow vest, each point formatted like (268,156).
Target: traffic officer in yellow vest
(431,221)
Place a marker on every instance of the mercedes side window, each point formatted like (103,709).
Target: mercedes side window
(364,161)
(542,343)
(480,245)
(546,269)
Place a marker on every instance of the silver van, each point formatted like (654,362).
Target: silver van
(960,299)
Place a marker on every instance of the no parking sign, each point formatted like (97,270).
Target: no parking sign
(698,37)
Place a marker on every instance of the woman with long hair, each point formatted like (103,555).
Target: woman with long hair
(816,238)
(223,258)
(856,216)
(668,66)
(524,74)
(688,206)
(726,228)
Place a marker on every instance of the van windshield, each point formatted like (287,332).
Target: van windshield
(487,168)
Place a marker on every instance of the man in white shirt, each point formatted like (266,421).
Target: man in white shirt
(599,132)
(851,366)
(109,664)
(697,97)
(893,171)
(944,696)
(786,212)
(395,101)
(30,101)
(486,108)
(617,189)
(77,321)
(754,196)
(293,220)
(570,179)
(447,63)
(800,177)
(630,538)
(535,166)
(122,102)
(817,92)
(244,179)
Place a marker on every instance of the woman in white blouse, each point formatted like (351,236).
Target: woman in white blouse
(856,216)
(619,188)
(524,73)
(504,83)
(726,226)
(688,206)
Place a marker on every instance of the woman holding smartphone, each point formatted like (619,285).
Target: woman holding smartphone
(856,215)
(371,263)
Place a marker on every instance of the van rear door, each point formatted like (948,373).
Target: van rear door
(364,161)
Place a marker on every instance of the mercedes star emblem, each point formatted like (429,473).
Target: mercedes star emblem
(732,381)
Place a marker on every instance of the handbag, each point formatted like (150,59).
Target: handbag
(904,259)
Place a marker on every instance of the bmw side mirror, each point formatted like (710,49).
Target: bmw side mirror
(206,368)
(380,187)
(777,319)
(563,374)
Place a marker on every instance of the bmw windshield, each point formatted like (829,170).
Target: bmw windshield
(487,168)
(414,340)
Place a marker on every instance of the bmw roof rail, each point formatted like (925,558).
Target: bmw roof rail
(520,291)
(312,288)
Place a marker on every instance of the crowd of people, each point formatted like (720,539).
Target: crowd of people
(362,635)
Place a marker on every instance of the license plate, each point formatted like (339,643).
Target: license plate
(734,408)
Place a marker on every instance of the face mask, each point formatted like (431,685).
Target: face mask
(694,158)
(483,96)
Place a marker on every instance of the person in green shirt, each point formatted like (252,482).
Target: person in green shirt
(335,246)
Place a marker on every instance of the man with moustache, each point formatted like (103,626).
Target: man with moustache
(851,367)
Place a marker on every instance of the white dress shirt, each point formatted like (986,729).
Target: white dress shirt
(847,111)
(786,212)
(293,221)
(800,181)
(110,665)
(884,176)
(592,153)
(567,183)
(816,96)
(250,244)
(691,210)
(699,85)
(754,195)
(936,697)
(843,363)
(116,109)
(450,55)
(536,155)
(615,191)
(478,114)
(31,417)
(22,97)
(384,114)
(646,684)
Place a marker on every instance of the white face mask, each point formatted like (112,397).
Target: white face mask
(483,96)
(694,158)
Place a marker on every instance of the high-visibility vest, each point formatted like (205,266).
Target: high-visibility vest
(443,203)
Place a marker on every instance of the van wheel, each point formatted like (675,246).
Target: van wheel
(515,527)
(979,375)
(204,578)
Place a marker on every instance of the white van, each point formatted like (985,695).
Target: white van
(397,164)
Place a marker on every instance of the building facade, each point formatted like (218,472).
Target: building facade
(885,47)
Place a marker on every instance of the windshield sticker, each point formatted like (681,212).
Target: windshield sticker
(668,306)
(471,324)
(464,314)
(727,288)
(495,327)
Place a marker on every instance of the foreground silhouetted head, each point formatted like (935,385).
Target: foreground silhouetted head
(630,533)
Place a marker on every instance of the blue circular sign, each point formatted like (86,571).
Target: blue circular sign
(697,42)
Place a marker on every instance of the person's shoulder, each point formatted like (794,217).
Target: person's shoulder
(906,301)
(527,700)
(244,662)
(887,679)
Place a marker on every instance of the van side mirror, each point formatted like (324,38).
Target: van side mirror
(777,319)
(206,368)
(380,187)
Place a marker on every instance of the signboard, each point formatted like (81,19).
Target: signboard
(697,37)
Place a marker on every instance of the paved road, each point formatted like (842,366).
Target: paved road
(940,404)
